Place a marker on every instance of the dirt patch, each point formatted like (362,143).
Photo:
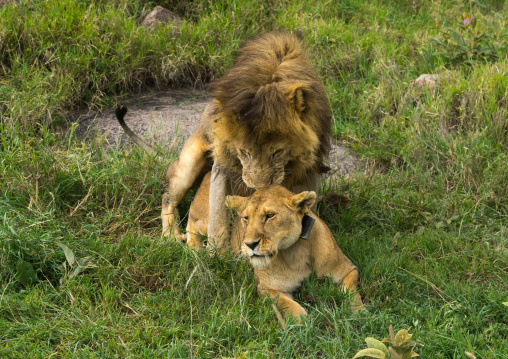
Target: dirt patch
(169,117)
(158,117)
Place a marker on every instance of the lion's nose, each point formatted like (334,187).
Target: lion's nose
(252,245)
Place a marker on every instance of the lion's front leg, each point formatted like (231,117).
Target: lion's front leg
(169,216)
(219,217)
(180,177)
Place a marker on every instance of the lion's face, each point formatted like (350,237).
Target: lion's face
(273,137)
(272,220)
(263,165)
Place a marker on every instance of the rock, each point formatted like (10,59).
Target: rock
(430,82)
(424,84)
(161,16)
(342,161)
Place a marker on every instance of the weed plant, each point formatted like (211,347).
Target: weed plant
(426,226)
(470,45)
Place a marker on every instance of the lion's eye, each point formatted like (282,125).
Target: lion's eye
(245,218)
(276,153)
(269,216)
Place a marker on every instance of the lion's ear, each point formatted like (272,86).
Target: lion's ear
(303,201)
(296,95)
(236,202)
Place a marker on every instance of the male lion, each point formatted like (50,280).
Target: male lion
(269,122)
(269,230)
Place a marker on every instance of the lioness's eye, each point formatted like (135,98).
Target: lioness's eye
(276,153)
(245,218)
(245,153)
(270,215)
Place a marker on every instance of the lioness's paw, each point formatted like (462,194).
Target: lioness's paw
(174,234)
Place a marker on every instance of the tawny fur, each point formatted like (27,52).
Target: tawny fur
(267,231)
(269,122)
(272,92)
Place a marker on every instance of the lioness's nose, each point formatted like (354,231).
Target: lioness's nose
(252,245)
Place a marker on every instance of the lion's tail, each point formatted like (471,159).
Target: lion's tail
(120,111)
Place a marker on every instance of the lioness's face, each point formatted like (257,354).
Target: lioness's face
(272,220)
(263,165)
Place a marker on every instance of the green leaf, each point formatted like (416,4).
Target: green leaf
(26,273)
(406,354)
(407,344)
(481,37)
(69,255)
(370,352)
(439,224)
(456,36)
(453,217)
(84,261)
(76,271)
(401,336)
(486,49)
(82,265)
(376,344)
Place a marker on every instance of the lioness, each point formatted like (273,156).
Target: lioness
(269,230)
(269,122)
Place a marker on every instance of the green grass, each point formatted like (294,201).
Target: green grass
(428,229)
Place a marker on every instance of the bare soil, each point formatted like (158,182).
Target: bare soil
(167,117)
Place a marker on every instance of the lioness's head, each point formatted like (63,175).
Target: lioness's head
(272,220)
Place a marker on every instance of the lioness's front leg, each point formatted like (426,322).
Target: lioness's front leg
(285,304)
(181,176)
(348,276)
(350,282)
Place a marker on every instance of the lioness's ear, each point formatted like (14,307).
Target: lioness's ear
(296,95)
(236,202)
(304,200)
